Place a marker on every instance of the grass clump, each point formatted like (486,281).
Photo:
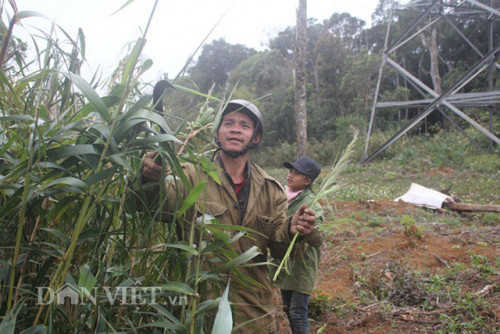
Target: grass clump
(410,228)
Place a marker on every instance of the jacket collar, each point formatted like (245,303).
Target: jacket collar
(227,181)
(300,196)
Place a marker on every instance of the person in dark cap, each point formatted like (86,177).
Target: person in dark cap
(297,287)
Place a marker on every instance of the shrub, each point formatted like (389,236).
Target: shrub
(319,304)
(405,286)
(411,230)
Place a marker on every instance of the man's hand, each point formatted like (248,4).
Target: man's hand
(303,221)
(150,170)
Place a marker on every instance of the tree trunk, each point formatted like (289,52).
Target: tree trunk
(430,43)
(300,79)
(316,84)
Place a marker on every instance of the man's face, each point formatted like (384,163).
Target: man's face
(297,181)
(236,131)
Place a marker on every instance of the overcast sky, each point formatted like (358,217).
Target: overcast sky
(178,26)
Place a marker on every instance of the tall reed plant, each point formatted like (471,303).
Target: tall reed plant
(72,215)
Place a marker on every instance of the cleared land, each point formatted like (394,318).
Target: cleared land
(391,267)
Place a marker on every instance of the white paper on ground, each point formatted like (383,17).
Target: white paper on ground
(421,195)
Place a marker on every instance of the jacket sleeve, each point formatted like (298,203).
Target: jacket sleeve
(281,238)
(146,193)
(149,193)
(162,202)
(314,239)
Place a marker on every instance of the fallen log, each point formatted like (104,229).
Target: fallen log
(467,207)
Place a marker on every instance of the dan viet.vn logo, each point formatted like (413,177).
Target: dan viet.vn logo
(119,295)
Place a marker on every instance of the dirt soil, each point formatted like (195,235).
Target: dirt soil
(373,270)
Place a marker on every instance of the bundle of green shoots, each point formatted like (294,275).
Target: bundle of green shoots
(329,185)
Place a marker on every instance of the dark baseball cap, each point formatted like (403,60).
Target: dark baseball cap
(306,166)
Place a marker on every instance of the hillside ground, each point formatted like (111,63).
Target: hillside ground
(392,267)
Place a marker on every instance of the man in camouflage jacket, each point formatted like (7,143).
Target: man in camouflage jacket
(246,197)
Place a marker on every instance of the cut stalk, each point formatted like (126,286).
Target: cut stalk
(285,262)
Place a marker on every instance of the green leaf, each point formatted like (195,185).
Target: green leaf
(162,138)
(163,324)
(140,104)
(192,197)
(38,329)
(322,329)
(118,90)
(91,95)
(214,226)
(163,313)
(61,207)
(92,233)
(217,120)
(100,176)
(86,279)
(194,92)
(125,128)
(285,262)
(119,161)
(242,258)
(8,324)
(56,252)
(51,165)
(223,323)
(152,117)
(17,118)
(213,246)
(147,64)
(207,306)
(71,151)
(204,276)
(178,287)
(187,248)
(6,146)
(102,129)
(28,13)
(111,100)
(210,168)
(127,283)
(70,181)
(58,234)
(132,59)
